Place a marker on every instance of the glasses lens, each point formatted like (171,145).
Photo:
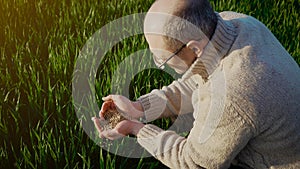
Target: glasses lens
(158,62)
(162,66)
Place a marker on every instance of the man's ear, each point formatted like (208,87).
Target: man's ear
(197,46)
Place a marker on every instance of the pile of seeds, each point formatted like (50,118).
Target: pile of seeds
(112,117)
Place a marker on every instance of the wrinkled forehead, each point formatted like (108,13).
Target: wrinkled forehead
(155,24)
(155,41)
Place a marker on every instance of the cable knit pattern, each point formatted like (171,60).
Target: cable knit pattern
(260,123)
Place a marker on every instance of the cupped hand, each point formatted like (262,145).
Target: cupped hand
(130,110)
(122,129)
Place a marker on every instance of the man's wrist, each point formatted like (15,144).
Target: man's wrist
(141,116)
(138,106)
(136,128)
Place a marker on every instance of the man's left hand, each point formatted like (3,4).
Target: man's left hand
(122,129)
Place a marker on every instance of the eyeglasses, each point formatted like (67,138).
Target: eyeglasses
(162,64)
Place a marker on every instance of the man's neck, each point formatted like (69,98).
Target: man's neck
(217,48)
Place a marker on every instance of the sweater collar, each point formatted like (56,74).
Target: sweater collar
(217,48)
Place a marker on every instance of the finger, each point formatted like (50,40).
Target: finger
(97,124)
(107,98)
(102,134)
(105,106)
(112,135)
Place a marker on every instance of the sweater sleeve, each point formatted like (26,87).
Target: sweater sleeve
(170,101)
(228,139)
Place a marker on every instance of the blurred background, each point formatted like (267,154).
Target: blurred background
(39,43)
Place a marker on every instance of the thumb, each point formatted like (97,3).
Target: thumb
(107,98)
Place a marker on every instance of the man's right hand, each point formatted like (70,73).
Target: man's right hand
(130,110)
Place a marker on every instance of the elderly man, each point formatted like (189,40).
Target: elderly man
(239,82)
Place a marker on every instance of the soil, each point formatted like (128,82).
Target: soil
(113,117)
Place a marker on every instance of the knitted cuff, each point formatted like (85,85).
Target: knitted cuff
(149,131)
(153,104)
(148,137)
(158,141)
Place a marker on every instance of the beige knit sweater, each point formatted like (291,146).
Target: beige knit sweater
(259,124)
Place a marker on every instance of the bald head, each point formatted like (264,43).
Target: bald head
(196,12)
(159,14)
(167,6)
(172,24)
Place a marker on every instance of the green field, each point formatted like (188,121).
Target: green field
(39,43)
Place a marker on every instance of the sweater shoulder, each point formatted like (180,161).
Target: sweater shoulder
(260,90)
(229,15)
